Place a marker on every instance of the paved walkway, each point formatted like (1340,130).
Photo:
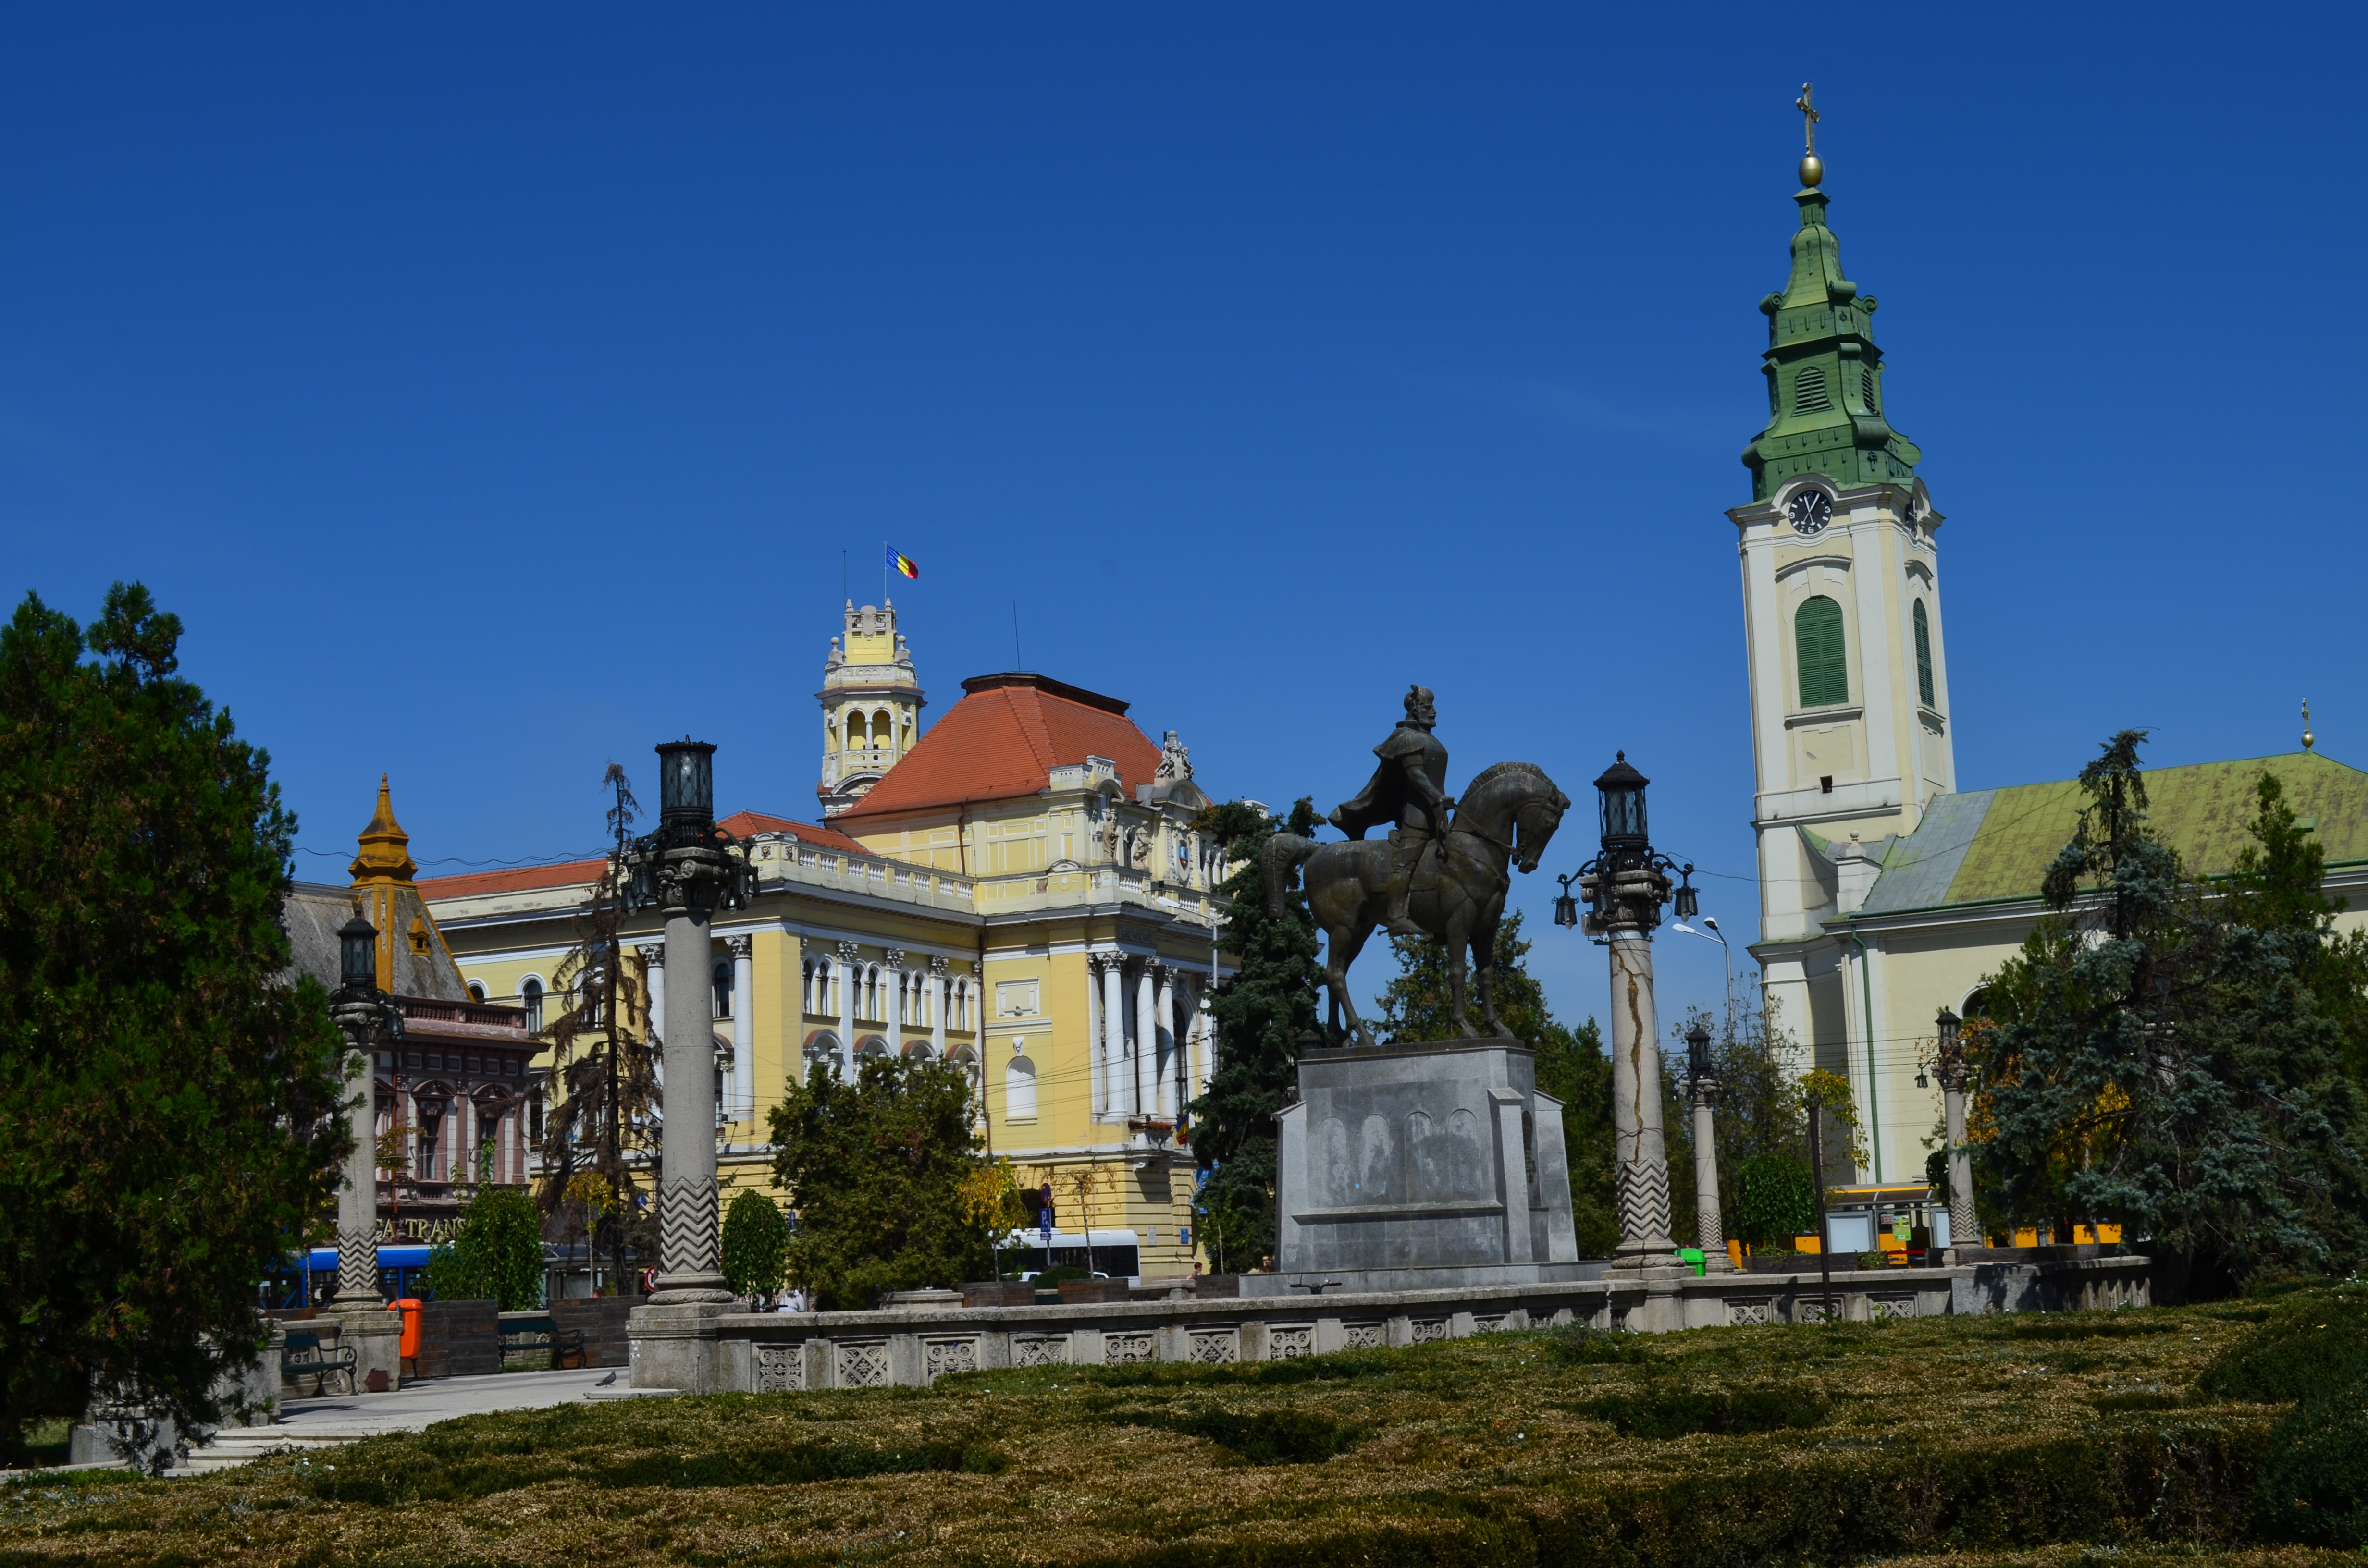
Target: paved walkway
(307,1424)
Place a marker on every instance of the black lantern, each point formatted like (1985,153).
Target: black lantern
(1622,790)
(357,956)
(1698,1051)
(1689,900)
(1948,1024)
(686,781)
(1566,906)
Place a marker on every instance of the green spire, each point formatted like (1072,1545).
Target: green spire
(1825,374)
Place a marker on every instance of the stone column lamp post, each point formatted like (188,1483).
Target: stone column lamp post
(1625,887)
(1702,1084)
(368,1019)
(1964,1228)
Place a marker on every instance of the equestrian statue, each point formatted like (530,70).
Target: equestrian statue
(1443,872)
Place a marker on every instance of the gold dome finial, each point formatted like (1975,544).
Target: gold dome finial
(1812,168)
(2308,740)
(385,848)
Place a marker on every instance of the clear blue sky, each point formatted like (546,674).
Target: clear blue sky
(494,390)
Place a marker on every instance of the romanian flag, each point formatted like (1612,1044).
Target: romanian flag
(905,564)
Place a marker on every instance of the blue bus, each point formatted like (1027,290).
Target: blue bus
(402,1271)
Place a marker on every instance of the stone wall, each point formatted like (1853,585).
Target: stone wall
(782,1351)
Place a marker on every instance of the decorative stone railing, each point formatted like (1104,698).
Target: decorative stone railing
(773,1352)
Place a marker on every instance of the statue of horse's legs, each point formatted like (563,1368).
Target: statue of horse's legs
(1341,946)
(1484,959)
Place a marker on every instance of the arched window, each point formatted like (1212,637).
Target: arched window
(588,991)
(530,992)
(1809,394)
(1019,1090)
(720,974)
(855,732)
(477,991)
(880,734)
(1817,639)
(1924,656)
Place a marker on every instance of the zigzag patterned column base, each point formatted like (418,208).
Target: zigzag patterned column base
(689,1249)
(357,1264)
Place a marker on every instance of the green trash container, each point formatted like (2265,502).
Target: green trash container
(1692,1257)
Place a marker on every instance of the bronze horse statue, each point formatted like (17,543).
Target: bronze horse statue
(1459,889)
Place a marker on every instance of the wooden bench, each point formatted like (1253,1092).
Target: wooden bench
(520,1333)
(302,1356)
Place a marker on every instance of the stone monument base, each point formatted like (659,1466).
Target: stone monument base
(1486,1277)
(1424,1165)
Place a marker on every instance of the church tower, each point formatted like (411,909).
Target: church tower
(871,705)
(1850,687)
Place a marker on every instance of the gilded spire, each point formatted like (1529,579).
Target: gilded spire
(385,855)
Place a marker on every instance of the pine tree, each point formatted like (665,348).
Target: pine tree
(1262,1010)
(171,1118)
(2160,1057)
(1571,1062)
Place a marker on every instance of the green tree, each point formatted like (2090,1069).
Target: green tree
(497,1257)
(878,1171)
(1760,1126)
(171,1116)
(1571,1062)
(755,1244)
(2160,1057)
(1262,1010)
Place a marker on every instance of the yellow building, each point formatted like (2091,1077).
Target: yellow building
(1020,893)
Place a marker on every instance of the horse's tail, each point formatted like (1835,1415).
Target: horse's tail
(1281,857)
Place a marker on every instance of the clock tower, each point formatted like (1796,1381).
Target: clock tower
(1850,687)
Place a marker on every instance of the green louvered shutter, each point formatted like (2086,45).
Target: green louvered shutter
(1924,655)
(1817,637)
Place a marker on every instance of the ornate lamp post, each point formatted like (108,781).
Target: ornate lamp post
(1963,1224)
(368,1019)
(1624,888)
(689,869)
(1702,1083)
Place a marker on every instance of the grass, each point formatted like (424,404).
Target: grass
(2054,1440)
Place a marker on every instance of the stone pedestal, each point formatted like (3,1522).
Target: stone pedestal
(376,1336)
(674,1345)
(1426,1165)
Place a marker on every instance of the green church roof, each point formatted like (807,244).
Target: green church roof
(1998,844)
(1825,374)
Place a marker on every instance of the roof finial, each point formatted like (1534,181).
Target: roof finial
(1811,170)
(2307,738)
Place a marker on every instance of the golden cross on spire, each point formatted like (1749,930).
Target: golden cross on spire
(1809,117)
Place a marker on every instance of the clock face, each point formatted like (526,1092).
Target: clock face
(1810,511)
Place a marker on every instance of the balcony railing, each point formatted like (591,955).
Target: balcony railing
(482,1015)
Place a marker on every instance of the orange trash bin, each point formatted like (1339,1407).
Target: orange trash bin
(409,1308)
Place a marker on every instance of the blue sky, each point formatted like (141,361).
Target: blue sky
(494,391)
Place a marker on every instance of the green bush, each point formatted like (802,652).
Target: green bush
(1775,1199)
(497,1254)
(1270,1437)
(2313,1479)
(1579,1346)
(755,1244)
(1049,1278)
(2306,1343)
(1657,1414)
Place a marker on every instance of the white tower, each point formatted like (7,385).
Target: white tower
(1850,684)
(871,705)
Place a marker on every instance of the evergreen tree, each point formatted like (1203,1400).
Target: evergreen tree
(497,1257)
(2160,1058)
(171,1117)
(755,1244)
(1262,1010)
(1571,1062)
(880,1171)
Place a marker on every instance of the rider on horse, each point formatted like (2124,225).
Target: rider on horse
(1408,790)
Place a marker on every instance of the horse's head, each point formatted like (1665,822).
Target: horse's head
(1534,823)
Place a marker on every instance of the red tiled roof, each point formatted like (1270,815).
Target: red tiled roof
(1002,739)
(749,823)
(522,880)
(527,878)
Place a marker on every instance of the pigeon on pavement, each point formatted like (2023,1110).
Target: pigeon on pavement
(604,1382)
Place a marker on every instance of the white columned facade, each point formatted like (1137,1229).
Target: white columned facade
(845,1065)
(1114,1036)
(743,1102)
(653,956)
(1166,1019)
(1146,1044)
(938,1010)
(1097,1068)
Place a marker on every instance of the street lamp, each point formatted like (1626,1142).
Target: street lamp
(1962,1223)
(367,1018)
(1701,1085)
(1624,887)
(688,867)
